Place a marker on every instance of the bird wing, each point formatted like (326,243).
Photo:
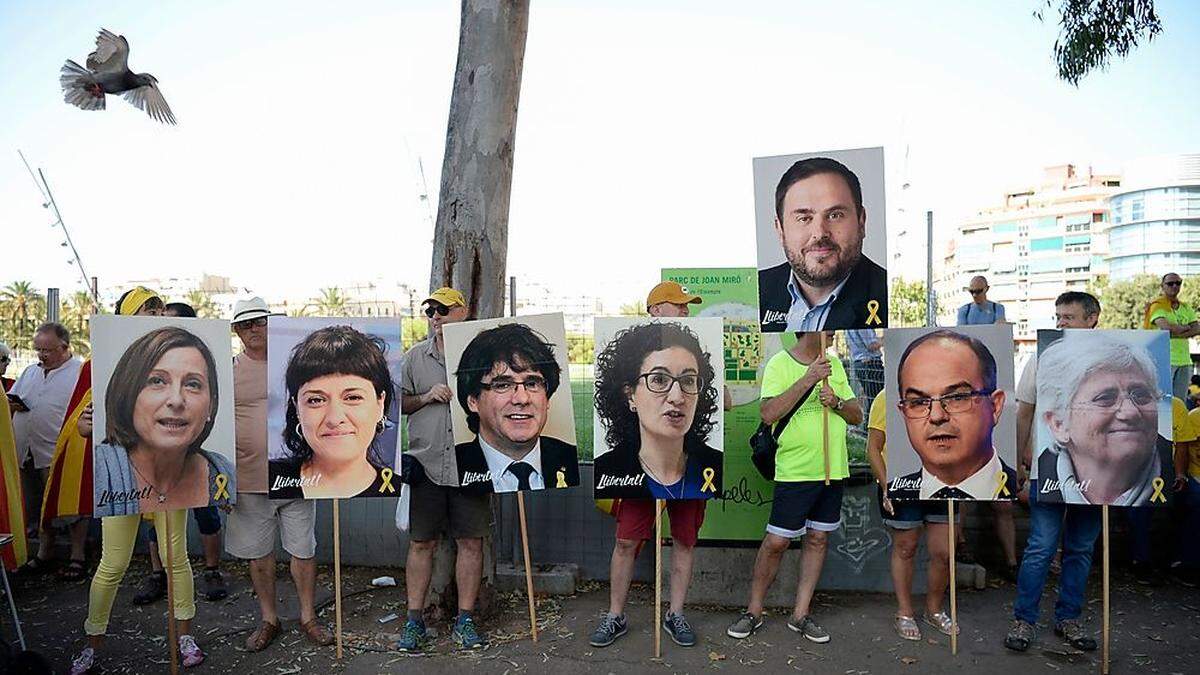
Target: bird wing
(112,52)
(151,100)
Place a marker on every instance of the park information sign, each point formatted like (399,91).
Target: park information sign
(740,512)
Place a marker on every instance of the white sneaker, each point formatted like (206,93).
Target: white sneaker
(190,651)
(84,662)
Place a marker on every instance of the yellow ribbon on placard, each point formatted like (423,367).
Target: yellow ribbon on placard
(386,475)
(1001,485)
(709,474)
(1158,496)
(221,480)
(560,478)
(873,317)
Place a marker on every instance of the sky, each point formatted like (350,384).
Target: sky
(302,125)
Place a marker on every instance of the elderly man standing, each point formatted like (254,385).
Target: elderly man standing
(1179,319)
(39,401)
(255,520)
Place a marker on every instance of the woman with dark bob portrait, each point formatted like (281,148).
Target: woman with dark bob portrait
(655,398)
(339,390)
(160,405)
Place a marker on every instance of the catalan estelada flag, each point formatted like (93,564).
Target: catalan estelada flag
(12,506)
(69,486)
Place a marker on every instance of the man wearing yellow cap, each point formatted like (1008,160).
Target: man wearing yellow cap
(670,299)
(438,507)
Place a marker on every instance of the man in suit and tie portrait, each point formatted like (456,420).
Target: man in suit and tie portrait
(951,404)
(505,380)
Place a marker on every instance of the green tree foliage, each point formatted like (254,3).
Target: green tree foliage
(203,304)
(1123,303)
(22,310)
(1092,31)
(906,307)
(581,348)
(76,315)
(412,331)
(635,308)
(333,302)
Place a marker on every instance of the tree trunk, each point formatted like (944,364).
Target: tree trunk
(470,243)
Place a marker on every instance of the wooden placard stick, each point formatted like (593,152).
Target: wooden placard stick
(337,576)
(1104,524)
(528,566)
(658,509)
(825,418)
(953,585)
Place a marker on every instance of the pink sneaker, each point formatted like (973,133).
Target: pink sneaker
(84,662)
(190,651)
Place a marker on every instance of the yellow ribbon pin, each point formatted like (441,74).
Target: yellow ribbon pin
(873,317)
(1001,485)
(386,475)
(560,478)
(709,474)
(221,480)
(1158,495)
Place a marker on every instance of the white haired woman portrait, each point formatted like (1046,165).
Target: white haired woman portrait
(1099,399)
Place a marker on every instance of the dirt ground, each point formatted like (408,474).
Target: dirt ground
(1154,629)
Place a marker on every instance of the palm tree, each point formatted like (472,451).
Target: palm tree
(203,304)
(76,316)
(332,302)
(22,307)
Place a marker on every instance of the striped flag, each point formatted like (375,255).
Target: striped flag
(69,486)
(12,506)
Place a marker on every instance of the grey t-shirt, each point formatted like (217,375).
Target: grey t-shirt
(430,437)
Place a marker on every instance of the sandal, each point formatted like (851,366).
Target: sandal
(907,628)
(36,566)
(942,622)
(73,571)
(316,633)
(262,636)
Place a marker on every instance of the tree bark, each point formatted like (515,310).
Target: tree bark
(470,243)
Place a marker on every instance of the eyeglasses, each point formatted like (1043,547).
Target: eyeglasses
(503,386)
(260,322)
(47,350)
(1172,283)
(440,310)
(920,408)
(976,291)
(659,382)
(1113,398)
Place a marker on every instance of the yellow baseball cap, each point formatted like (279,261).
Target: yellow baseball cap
(672,292)
(446,296)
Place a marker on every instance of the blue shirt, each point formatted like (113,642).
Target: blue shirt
(972,314)
(860,340)
(806,319)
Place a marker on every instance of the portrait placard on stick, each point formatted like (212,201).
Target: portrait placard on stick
(950,393)
(333,407)
(163,421)
(822,242)
(658,420)
(1103,419)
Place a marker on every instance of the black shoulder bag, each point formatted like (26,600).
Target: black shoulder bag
(765,441)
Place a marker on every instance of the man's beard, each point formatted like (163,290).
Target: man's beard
(822,279)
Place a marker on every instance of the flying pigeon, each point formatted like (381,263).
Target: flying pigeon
(108,72)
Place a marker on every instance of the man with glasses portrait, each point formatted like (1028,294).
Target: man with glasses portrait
(951,405)
(506,378)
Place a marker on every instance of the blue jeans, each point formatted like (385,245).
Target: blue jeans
(1077,527)
(1140,518)
(1189,534)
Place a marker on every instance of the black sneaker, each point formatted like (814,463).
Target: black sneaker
(153,588)
(1019,636)
(214,585)
(1073,634)
(745,625)
(679,629)
(611,627)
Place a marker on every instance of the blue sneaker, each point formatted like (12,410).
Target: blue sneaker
(413,638)
(466,635)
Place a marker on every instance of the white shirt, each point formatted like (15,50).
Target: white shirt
(47,394)
(504,480)
(980,485)
(806,319)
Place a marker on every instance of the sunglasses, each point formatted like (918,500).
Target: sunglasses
(1172,283)
(976,291)
(260,322)
(440,310)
